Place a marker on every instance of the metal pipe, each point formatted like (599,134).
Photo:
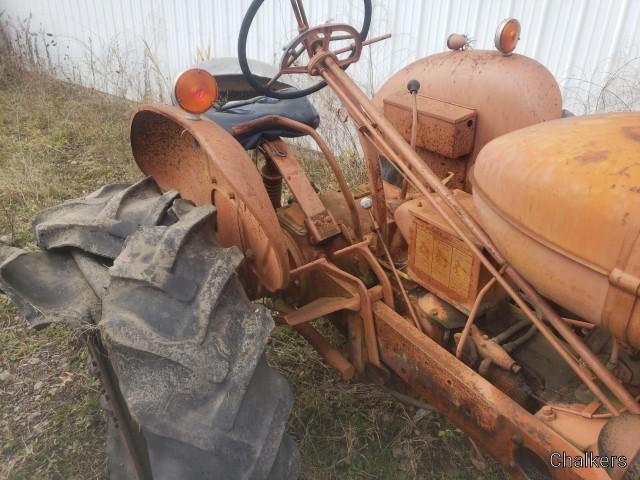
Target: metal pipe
(578,323)
(582,413)
(379,38)
(511,346)
(405,297)
(472,316)
(332,356)
(376,187)
(615,354)
(501,337)
(301,16)
(515,328)
(384,136)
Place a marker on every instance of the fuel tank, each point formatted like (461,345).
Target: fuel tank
(504,92)
(561,200)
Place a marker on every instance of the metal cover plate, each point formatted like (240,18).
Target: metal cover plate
(442,263)
(443,127)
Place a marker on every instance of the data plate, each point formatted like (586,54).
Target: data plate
(442,263)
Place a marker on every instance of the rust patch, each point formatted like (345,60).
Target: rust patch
(624,171)
(632,132)
(625,218)
(592,157)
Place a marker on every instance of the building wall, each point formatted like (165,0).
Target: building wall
(135,47)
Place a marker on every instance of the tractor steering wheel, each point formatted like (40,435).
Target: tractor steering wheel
(303,26)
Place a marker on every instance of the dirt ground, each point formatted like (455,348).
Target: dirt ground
(59,141)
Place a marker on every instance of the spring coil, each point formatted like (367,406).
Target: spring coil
(272,181)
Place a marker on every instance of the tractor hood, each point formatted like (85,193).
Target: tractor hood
(490,93)
(561,200)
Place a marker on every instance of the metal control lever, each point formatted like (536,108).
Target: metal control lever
(413,86)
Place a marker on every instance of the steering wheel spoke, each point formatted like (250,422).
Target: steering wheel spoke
(289,58)
(301,16)
(310,40)
(320,39)
(275,78)
(335,38)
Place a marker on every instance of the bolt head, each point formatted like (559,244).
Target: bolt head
(366,202)
(548,413)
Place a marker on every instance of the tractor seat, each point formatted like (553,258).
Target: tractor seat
(242,111)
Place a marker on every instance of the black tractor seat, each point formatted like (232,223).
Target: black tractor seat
(243,111)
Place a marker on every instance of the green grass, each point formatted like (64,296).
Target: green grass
(57,142)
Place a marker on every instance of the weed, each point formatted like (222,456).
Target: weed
(612,86)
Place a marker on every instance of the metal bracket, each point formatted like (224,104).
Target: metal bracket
(320,223)
(359,290)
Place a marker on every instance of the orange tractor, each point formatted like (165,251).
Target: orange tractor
(490,266)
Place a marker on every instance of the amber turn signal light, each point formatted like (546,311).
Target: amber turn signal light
(507,36)
(195,90)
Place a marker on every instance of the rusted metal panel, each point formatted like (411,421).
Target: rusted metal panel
(444,166)
(443,127)
(438,259)
(206,165)
(489,416)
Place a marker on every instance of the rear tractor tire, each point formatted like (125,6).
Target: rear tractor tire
(184,343)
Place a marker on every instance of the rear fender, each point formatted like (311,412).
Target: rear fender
(206,165)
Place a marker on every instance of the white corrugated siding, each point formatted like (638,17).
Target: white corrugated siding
(133,47)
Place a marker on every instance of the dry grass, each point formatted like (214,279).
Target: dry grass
(612,86)
(352,430)
(58,141)
(50,422)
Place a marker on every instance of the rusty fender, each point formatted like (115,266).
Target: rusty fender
(208,166)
